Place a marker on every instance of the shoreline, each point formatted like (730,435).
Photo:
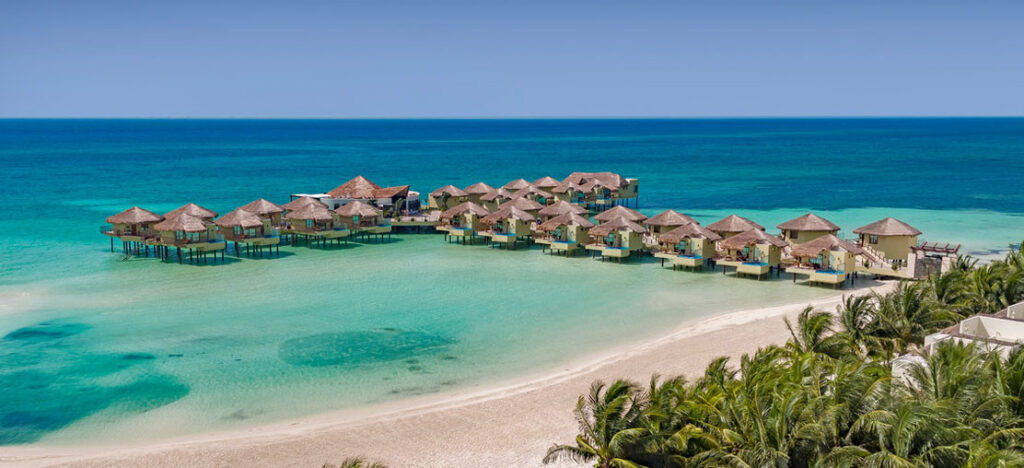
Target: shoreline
(463,418)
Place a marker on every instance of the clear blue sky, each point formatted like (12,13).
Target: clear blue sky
(383,58)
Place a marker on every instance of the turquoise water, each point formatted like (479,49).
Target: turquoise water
(93,348)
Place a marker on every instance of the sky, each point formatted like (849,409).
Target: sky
(449,58)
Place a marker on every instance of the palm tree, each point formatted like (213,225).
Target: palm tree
(609,420)
(355,462)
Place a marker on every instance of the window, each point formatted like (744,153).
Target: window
(793,235)
(872,239)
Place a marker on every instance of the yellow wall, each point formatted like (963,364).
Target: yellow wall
(892,247)
(803,236)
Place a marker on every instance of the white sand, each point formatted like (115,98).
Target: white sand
(511,424)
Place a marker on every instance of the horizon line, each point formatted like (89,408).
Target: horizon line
(611,117)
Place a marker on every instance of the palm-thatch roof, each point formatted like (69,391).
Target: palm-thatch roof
(181,222)
(888,227)
(508,212)
(546,182)
(135,215)
(263,207)
(732,224)
(620,212)
(827,242)
(670,218)
(517,184)
(751,237)
(497,194)
(358,187)
(464,207)
(357,208)
(478,188)
(561,207)
(617,224)
(192,209)
(531,190)
(450,190)
(524,204)
(303,202)
(315,212)
(688,231)
(241,218)
(808,222)
(567,219)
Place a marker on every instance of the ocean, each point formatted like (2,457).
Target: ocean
(94,348)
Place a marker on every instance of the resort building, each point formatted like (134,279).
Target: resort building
(524,204)
(559,208)
(187,231)
(477,191)
(363,219)
(667,221)
(507,226)
(732,225)
(133,226)
(534,193)
(597,189)
(753,252)
(805,228)
(888,238)
(315,223)
(515,185)
(688,245)
(825,260)
(446,197)
(192,209)
(619,238)
(495,198)
(1002,332)
(565,233)
(389,199)
(253,231)
(462,222)
(546,183)
(267,210)
(621,212)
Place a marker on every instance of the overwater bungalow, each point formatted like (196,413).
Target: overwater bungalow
(462,222)
(753,252)
(618,238)
(598,189)
(732,225)
(546,183)
(806,228)
(534,193)
(888,238)
(391,200)
(192,209)
(689,245)
(559,208)
(565,233)
(133,227)
(267,210)
(446,197)
(826,259)
(667,221)
(303,202)
(507,226)
(478,190)
(515,185)
(315,223)
(621,212)
(363,219)
(189,232)
(495,198)
(253,231)
(524,204)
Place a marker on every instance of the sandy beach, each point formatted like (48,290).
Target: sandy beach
(507,424)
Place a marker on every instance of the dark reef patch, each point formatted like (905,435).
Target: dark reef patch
(46,331)
(360,347)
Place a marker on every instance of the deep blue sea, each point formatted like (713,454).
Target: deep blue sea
(93,348)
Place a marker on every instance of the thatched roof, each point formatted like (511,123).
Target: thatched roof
(688,231)
(517,184)
(358,187)
(263,207)
(479,188)
(191,209)
(827,242)
(561,207)
(316,212)
(524,204)
(464,207)
(181,222)
(451,190)
(357,208)
(808,222)
(733,223)
(670,218)
(608,179)
(239,217)
(135,215)
(303,202)
(497,194)
(617,224)
(888,227)
(392,192)
(751,237)
(508,212)
(620,212)
(567,219)
(565,186)
(546,182)
(531,190)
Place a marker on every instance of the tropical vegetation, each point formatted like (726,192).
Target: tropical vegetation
(829,397)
